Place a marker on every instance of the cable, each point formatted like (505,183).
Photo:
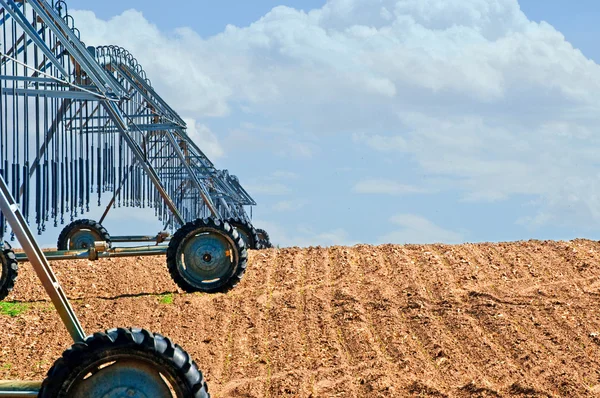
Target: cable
(104,97)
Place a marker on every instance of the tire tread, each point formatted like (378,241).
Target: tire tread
(63,239)
(141,340)
(196,225)
(9,260)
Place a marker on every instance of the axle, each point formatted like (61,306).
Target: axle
(100,251)
(159,238)
(15,389)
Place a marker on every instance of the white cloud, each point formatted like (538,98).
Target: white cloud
(554,162)
(468,90)
(438,53)
(270,141)
(387,187)
(204,138)
(416,229)
(174,72)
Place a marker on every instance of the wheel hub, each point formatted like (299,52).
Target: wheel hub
(123,379)
(83,239)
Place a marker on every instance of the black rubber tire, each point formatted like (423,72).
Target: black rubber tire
(66,233)
(262,234)
(265,244)
(10,271)
(264,239)
(169,359)
(208,225)
(253,240)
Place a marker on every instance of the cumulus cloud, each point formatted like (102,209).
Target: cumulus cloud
(439,53)
(173,71)
(468,90)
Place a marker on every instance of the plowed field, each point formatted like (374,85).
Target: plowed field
(484,320)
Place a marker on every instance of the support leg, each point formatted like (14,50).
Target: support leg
(17,222)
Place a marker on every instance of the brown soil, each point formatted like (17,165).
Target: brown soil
(478,320)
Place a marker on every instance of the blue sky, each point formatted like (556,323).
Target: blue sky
(575,19)
(205,17)
(453,121)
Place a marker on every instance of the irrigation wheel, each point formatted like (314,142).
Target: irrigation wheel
(124,363)
(81,234)
(247,232)
(207,255)
(10,270)
(264,239)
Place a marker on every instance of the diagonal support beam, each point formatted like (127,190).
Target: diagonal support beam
(115,114)
(36,257)
(74,46)
(12,8)
(192,175)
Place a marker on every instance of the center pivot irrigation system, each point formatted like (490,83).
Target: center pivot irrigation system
(81,122)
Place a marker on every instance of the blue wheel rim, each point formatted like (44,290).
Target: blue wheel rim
(125,377)
(83,239)
(206,258)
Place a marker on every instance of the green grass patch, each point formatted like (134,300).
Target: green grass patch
(166,299)
(12,309)
(46,307)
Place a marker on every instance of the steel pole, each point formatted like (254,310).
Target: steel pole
(10,210)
